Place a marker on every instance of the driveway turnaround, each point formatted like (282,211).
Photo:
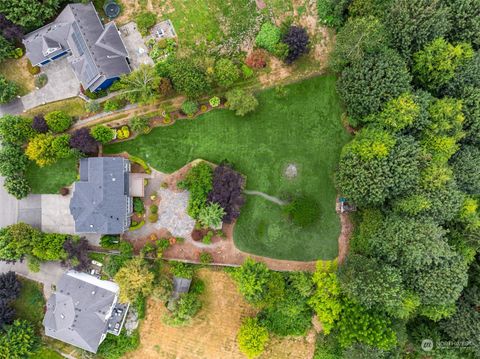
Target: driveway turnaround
(49,274)
(62,84)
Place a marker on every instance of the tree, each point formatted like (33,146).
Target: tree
(92,106)
(6,50)
(252,338)
(358,325)
(9,30)
(199,182)
(141,86)
(297,40)
(436,63)
(187,78)
(113,104)
(15,241)
(189,107)
(8,90)
(227,191)
(226,72)
(15,129)
(241,102)
(253,281)
(9,286)
(77,253)
(17,186)
(333,12)
(466,166)
(12,160)
(464,14)
(18,340)
(358,37)
(7,313)
(414,23)
(372,283)
(370,82)
(326,298)
(268,37)
(39,124)
(58,121)
(102,134)
(211,215)
(45,149)
(145,20)
(134,279)
(84,142)
(29,14)
(48,246)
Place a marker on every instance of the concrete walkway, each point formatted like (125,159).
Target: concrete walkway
(50,273)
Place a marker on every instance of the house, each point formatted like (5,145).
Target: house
(96,52)
(102,199)
(83,310)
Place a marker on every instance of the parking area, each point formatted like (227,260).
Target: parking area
(56,215)
(62,83)
(137,50)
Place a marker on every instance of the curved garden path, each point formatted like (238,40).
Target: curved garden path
(266,196)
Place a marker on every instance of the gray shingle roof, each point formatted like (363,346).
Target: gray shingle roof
(78,312)
(100,202)
(98,52)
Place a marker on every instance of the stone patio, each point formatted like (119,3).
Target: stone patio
(172,213)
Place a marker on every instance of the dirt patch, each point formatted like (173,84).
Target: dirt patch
(212,333)
(278,71)
(345,235)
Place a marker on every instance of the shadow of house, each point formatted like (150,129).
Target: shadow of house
(96,52)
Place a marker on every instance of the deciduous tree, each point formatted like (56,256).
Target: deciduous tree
(134,279)
(83,141)
(241,101)
(252,338)
(297,40)
(226,72)
(141,86)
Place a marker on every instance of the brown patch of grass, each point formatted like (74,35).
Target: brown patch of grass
(16,70)
(212,333)
(72,106)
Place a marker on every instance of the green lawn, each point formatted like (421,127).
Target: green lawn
(30,304)
(303,128)
(50,179)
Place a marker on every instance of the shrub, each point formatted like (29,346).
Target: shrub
(58,121)
(205,258)
(252,338)
(189,108)
(184,309)
(34,70)
(134,226)
(187,78)
(256,59)
(8,90)
(214,101)
(297,40)
(153,217)
(207,239)
(164,86)
(41,81)
(110,241)
(112,105)
(94,95)
(247,72)
(163,289)
(39,124)
(303,211)
(33,264)
(153,208)
(182,270)
(15,129)
(102,134)
(45,149)
(145,20)
(140,124)
(226,73)
(268,37)
(12,160)
(138,206)
(17,186)
(241,102)
(92,106)
(123,133)
(114,347)
(211,215)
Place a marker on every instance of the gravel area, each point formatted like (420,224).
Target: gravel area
(172,213)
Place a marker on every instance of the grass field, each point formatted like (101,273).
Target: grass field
(29,305)
(16,70)
(74,107)
(303,128)
(211,334)
(50,179)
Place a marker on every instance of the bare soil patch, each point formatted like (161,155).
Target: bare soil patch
(212,333)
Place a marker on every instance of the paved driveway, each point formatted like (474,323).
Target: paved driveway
(8,207)
(50,273)
(29,210)
(62,83)
(56,215)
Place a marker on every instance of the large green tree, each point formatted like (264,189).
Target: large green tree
(465,18)
(141,86)
(188,78)
(6,48)
(18,341)
(30,14)
(15,129)
(371,81)
(466,167)
(15,241)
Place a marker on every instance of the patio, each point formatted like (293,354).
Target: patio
(137,50)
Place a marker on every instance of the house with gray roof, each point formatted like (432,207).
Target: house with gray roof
(96,52)
(82,309)
(101,202)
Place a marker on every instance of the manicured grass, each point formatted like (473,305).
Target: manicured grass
(29,305)
(50,179)
(75,107)
(303,128)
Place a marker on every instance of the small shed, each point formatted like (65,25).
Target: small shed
(180,286)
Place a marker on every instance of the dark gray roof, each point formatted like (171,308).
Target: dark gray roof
(100,201)
(98,52)
(78,312)
(180,286)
